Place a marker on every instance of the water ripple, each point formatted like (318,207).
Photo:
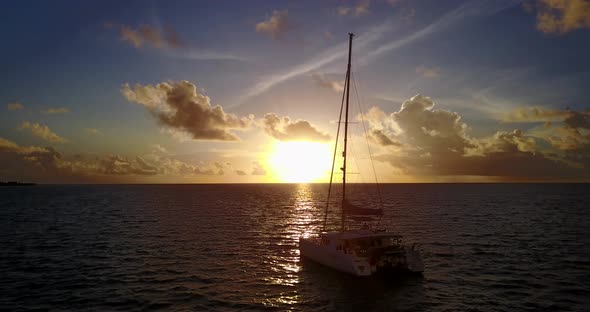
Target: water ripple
(234,247)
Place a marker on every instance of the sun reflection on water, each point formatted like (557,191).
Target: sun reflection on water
(303,220)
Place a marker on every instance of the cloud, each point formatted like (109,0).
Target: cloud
(7,145)
(30,163)
(157,148)
(58,110)
(343,10)
(157,165)
(420,140)
(148,35)
(361,8)
(43,132)
(93,131)
(169,42)
(428,72)
(321,81)
(258,169)
(276,25)
(567,130)
(381,138)
(194,54)
(168,165)
(45,164)
(117,165)
(178,106)
(578,120)
(562,16)
(423,126)
(14,106)
(283,129)
(535,114)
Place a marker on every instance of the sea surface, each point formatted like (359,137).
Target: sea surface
(486,247)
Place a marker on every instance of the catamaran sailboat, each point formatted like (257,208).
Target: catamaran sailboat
(365,250)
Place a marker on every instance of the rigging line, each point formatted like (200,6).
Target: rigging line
(334,155)
(367,139)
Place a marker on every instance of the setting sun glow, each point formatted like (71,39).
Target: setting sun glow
(300,161)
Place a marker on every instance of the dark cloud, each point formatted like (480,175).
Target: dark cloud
(430,130)
(434,142)
(31,163)
(283,129)
(45,164)
(568,128)
(180,107)
(117,165)
(578,120)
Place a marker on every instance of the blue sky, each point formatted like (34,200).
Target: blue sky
(487,62)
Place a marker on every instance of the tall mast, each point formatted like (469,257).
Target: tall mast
(350,35)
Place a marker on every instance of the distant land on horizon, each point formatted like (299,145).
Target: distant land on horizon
(16,183)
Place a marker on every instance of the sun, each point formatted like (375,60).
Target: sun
(300,161)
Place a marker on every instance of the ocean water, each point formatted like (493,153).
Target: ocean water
(486,247)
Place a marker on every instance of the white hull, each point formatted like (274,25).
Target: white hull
(330,251)
(313,250)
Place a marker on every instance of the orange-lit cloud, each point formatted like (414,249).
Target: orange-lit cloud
(428,72)
(57,110)
(283,129)
(146,34)
(562,16)
(361,8)
(567,131)
(381,138)
(258,169)
(536,114)
(321,81)
(43,132)
(93,131)
(14,106)
(180,107)
(276,25)
(157,148)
